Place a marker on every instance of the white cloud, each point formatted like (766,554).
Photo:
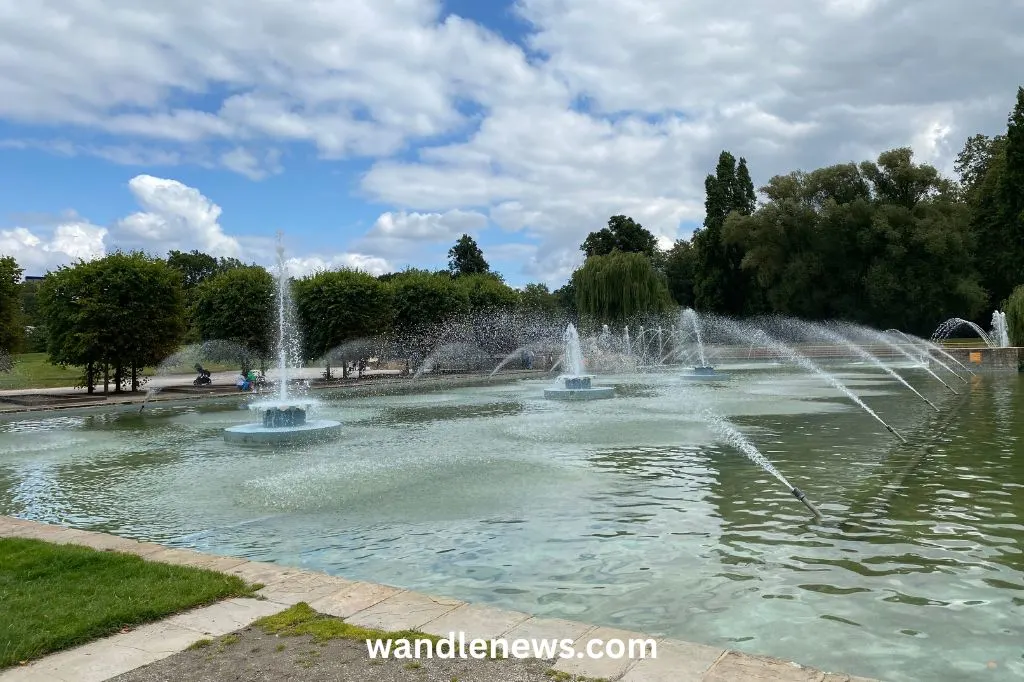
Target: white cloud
(403,237)
(663,87)
(174,216)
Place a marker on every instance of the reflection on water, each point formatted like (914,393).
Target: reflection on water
(624,512)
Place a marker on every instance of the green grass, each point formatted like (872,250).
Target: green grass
(33,370)
(58,596)
(303,620)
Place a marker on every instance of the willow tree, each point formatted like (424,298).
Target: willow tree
(1015,316)
(618,286)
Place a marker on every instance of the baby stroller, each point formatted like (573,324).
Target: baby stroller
(204,377)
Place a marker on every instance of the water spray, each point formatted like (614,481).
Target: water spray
(731,434)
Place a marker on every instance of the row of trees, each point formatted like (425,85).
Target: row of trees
(887,243)
(116,315)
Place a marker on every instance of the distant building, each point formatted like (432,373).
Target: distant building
(34,278)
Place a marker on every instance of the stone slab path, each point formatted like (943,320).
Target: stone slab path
(370,605)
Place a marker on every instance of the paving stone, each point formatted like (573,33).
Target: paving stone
(476,621)
(163,637)
(404,611)
(224,617)
(353,599)
(98,661)
(188,557)
(261,572)
(740,667)
(839,677)
(676,661)
(27,673)
(303,586)
(113,543)
(548,628)
(604,667)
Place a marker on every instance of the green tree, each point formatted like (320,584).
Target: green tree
(423,299)
(338,306)
(538,299)
(618,286)
(996,168)
(12,324)
(122,312)
(566,297)
(238,305)
(466,258)
(1015,316)
(35,328)
(622,234)
(487,293)
(720,284)
(681,272)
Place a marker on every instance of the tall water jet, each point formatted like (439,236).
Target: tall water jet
(703,371)
(733,436)
(796,358)
(574,384)
(283,419)
(835,337)
(1000,332)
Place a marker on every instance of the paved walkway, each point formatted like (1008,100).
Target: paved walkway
(369,605)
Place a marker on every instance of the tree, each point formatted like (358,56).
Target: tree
(996,168)
(618,286)
(238,305)
(720,284)
(486,293)
(622,234)
(1015,316)
(466,258)
(423,299)
(537,299)
(35,328)
(338,306)
(680,272)
(12,326)
(566,297)
(122,312)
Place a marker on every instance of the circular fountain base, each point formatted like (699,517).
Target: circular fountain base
(258,434)
(579,393)
(705,374)
(578,388)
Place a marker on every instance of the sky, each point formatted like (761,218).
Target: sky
(372,133)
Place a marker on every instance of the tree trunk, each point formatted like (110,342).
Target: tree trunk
(106,378)
(90,379)
(135,378)
(118,377)
(327,373)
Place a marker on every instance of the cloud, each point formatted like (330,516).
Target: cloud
(605,106)
(173,216)
(60,244)
(401,236)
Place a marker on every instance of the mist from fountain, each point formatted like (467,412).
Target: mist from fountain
(573,353)
(1000,333)
(836,337)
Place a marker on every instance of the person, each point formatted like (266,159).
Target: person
(241,383)
(251,379)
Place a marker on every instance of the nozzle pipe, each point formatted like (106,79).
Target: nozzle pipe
(895,433)
(799,494)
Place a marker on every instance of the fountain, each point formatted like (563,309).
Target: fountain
(1000,334)
(282,419)
(574,384)
(703,371)
(947,328)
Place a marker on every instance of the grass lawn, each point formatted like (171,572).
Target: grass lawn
(33,370)
(58,596)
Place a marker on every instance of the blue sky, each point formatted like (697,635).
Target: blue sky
(373,132)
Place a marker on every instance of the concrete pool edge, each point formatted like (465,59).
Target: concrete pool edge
(370,605)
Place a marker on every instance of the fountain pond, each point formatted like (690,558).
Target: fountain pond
(634,512)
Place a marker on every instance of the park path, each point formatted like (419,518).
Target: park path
(370,605)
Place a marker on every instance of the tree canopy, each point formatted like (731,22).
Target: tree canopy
(238,305)
(124,311)
(466,258)
(622,234)
(619,286)
(11,322)
(338,306)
